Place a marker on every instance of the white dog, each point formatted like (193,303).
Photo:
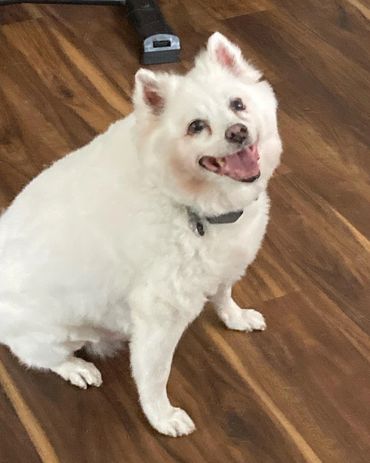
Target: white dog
(127,237)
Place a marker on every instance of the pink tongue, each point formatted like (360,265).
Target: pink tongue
(241,165)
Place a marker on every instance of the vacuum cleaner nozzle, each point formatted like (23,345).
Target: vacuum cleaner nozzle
(160,44)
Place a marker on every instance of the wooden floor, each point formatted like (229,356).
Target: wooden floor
(299,392)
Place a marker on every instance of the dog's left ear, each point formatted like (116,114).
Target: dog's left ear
(229,56)
(149,91)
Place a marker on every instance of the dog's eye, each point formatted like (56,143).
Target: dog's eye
(237,104)
(197,126)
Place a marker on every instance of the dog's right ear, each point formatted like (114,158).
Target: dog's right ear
(149,91)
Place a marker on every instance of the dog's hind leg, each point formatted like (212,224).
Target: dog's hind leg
(39,350)
(233,316)
(79,372)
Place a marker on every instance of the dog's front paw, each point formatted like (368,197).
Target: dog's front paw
(176,422)
(245,320)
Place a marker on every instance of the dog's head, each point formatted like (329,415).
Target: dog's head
(208,138)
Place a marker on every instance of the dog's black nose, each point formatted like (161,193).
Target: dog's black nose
(236,133)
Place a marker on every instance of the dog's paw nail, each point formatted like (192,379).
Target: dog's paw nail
(176,423)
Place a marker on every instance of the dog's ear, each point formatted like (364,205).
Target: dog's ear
(149,91)
(229,56)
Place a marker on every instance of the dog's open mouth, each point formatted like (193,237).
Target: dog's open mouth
(242,165)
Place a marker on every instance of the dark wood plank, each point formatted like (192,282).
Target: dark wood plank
(341,24)
(295,369)
(320,245)
(18,13)
(15,444)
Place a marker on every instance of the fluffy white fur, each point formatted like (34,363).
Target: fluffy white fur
(98,248)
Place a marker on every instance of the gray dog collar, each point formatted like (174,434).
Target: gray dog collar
(197,223)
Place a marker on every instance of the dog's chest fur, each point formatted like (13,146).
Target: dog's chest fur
(180,263)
